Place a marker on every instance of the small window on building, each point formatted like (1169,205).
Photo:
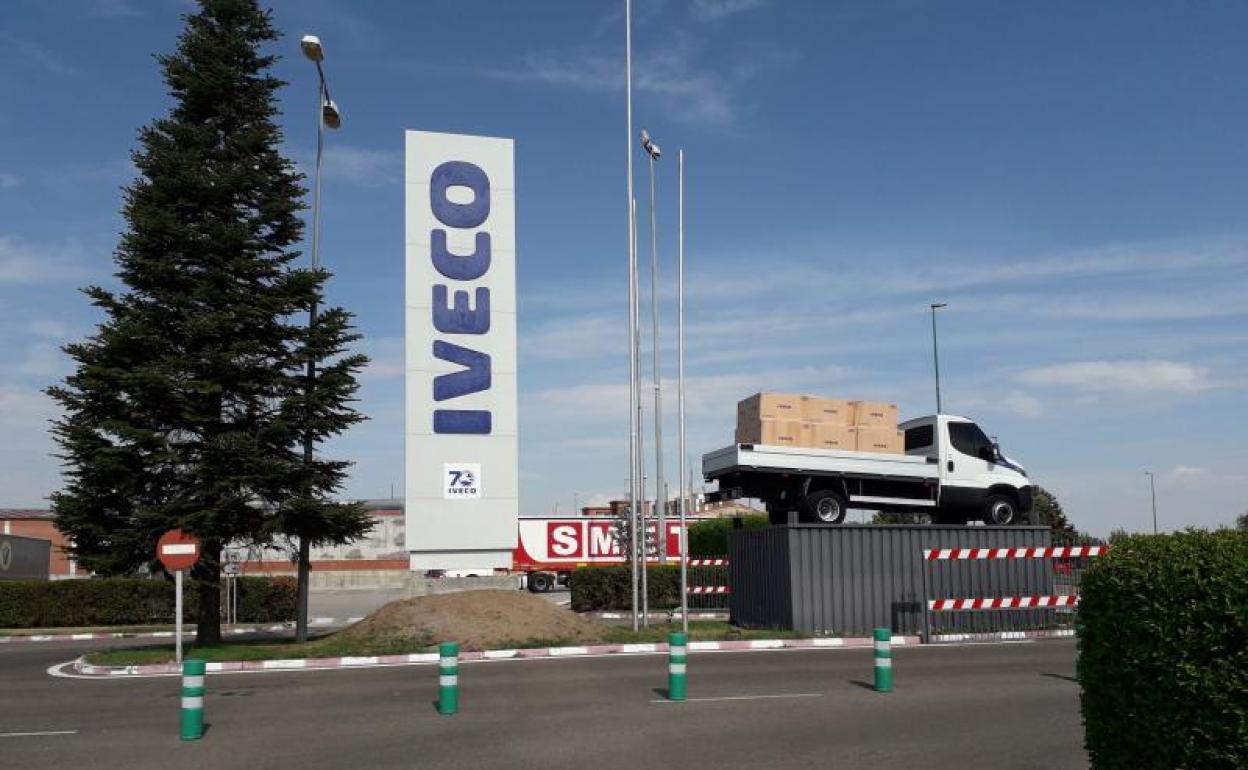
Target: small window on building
(920,437)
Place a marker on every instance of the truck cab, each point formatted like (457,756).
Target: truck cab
(977,481)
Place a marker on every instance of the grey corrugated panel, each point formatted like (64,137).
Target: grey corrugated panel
(25,558)
(850,579)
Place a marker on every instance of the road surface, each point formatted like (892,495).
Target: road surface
(1005,705)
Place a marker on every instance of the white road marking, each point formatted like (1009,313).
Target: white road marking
(742,697)
(34,734)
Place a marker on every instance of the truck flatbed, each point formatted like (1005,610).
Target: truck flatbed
(782,459)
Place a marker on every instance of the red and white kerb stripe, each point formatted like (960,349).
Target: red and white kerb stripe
(708,562)
(1003,603)
(1062,552)
(708,589)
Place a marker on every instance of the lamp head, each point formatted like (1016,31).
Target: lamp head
(312,48)
(330,114)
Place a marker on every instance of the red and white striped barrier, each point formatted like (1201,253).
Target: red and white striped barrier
(708,562)
(1003,603)
(1060,552)
(708,589)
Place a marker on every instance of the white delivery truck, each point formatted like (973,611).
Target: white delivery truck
(950,470)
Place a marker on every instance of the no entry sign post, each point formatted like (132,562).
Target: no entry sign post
(178,552)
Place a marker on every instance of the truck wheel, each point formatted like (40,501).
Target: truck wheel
(824,507)
(540,582)
(1000,511)
(777,514)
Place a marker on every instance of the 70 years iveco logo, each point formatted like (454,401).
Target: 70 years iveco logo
(461,481)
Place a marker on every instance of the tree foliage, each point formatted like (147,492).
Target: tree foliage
(188,405)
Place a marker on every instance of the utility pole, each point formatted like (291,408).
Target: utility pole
(936,352)
(633,392)
(1152,486)
(683,494)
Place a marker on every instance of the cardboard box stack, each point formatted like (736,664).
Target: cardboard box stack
(784,419)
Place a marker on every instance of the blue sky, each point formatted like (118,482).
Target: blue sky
(1071,178)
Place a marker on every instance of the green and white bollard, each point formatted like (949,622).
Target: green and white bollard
(677,652)
(193,699)
(448,678)
(883,660)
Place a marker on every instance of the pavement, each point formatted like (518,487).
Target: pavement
(998,705)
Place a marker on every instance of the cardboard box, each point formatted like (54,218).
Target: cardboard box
(882,440)
(837,411)
(831,436)
(773,432)
(875,413)
(770,406)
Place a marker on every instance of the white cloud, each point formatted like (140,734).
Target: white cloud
(44,360)
(23,262)
(8,180)
(113,9)
(1023,404)
(1137,377)
(50,329)
(690,92)
(385,357)
(362,166)
(710,396)
(41,56)
(1186,474)
(713,10)
(27,471)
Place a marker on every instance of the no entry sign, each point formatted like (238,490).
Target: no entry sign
(177,550)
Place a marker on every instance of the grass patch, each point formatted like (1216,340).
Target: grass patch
(699,631)
(337,645)
(332,646)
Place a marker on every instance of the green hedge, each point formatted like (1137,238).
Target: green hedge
(1163,652)
(611,588)
(131,601)
(710,537)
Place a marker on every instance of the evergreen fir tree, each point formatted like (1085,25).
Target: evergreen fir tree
(1049,513)
(188,405)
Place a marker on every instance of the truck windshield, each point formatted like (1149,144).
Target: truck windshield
(968,439)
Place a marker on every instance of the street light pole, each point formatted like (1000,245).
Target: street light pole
(1152,487)
(660,490)
(327,114)
(936,352)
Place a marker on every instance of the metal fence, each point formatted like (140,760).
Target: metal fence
(958,601)
(708,584)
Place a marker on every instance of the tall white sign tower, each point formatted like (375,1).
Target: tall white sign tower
(461,464)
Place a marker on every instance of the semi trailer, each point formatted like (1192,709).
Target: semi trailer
(950,470)
(549,548)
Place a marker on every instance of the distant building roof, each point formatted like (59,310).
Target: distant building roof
(28,514)
(395,504)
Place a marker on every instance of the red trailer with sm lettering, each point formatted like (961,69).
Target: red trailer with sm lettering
(549,548)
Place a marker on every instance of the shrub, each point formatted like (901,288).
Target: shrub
(1163,652)
(611,588)
(710,537)
(131,601)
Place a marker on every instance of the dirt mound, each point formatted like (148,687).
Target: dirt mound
(478,620)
